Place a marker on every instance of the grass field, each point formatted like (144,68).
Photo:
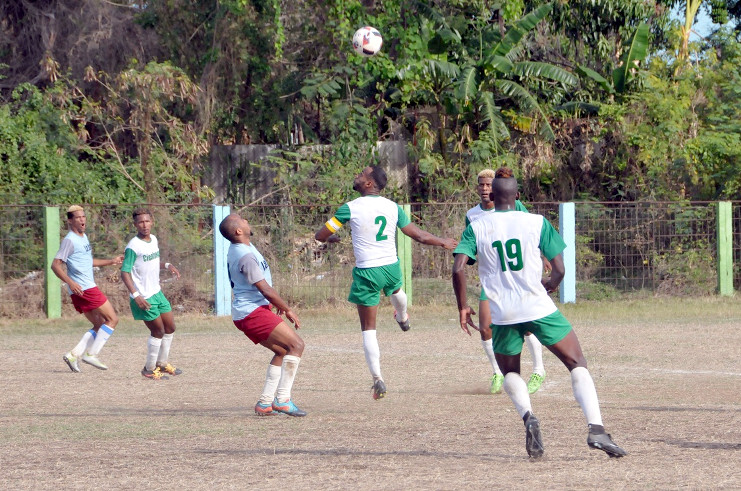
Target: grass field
(667,374)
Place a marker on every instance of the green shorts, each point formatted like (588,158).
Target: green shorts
(368,283)
(549,330)
(158,304)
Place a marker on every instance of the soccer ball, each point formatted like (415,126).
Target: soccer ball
(367,41)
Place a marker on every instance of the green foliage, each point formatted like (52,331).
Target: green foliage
(42,159)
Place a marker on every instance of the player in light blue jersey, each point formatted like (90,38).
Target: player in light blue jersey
(373,222)
(76,254)
(507,244)
(252,285)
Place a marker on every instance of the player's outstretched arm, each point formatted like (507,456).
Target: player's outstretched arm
(273,297)
(427,238)
(558,271)
(459,287)
(115,261)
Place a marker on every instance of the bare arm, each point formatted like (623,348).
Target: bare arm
(108,262)
(325,235)
(273,297)
(459,287)
(61,272)
(129,282)
(423,237)
(558,271)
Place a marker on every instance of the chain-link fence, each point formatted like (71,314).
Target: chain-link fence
(642,248)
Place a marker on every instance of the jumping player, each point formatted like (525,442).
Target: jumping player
(507,244)
(76,253)
(485,178)
(141,275)
(252,284)
(373,222)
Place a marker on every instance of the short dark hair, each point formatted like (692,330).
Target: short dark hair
(379,177)
(141,211)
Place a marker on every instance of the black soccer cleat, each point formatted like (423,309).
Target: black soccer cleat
(603,441)
(533,438)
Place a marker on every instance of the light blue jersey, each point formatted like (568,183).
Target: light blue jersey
(75,251)
(246,267)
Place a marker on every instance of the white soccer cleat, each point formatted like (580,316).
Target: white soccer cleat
(94,361)
(71,361)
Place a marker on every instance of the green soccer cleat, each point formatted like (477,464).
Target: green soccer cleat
(536,380)
(94,361)
(497,381)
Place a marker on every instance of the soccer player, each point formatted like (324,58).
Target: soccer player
(373,222)
(252,284)
(141,275)
(76,253)
(485,178)
(507,244)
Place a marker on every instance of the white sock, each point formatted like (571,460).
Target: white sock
(536,352)
(153,350)
(489,350)
(104,333)
(516,389)
(372,353)
(164,352)
(287,373)
(82,346)
(399,301)
(272,377)
(586,395)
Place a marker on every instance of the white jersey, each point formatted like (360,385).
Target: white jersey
(142,260)
(507,245)
(373,221)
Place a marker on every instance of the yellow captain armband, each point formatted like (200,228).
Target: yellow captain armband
(333,225)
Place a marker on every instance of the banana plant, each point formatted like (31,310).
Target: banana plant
(635,53)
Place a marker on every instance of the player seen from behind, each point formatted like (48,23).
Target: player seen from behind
(507,244)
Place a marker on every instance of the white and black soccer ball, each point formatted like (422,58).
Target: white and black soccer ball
(367,41)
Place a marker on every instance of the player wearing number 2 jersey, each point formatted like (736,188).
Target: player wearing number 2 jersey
(373,222)
(507,244)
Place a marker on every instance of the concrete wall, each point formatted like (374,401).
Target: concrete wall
(243,173)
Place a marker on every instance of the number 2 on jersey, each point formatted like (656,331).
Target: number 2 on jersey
(380,236)
(513,250)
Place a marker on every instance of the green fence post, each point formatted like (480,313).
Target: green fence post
(725,248)
(404,250)
(52,284)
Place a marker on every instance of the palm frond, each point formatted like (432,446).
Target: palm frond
(635,53)
(544,70)
(520,29)
(527,102)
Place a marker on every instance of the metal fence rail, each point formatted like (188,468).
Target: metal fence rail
(662,248)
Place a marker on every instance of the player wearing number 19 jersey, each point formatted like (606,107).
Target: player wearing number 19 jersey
(507,244)
(373,222)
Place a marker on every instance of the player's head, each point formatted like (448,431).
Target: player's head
(483,188)
(504,172)
(142,221)
(504,192)
(235,229)
(76,219)
(371,179)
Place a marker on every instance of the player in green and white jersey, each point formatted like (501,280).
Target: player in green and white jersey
(373,222)
(140,273)
(485,178)
(507,244)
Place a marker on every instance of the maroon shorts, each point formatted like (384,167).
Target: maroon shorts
(259,324)
(91,299)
